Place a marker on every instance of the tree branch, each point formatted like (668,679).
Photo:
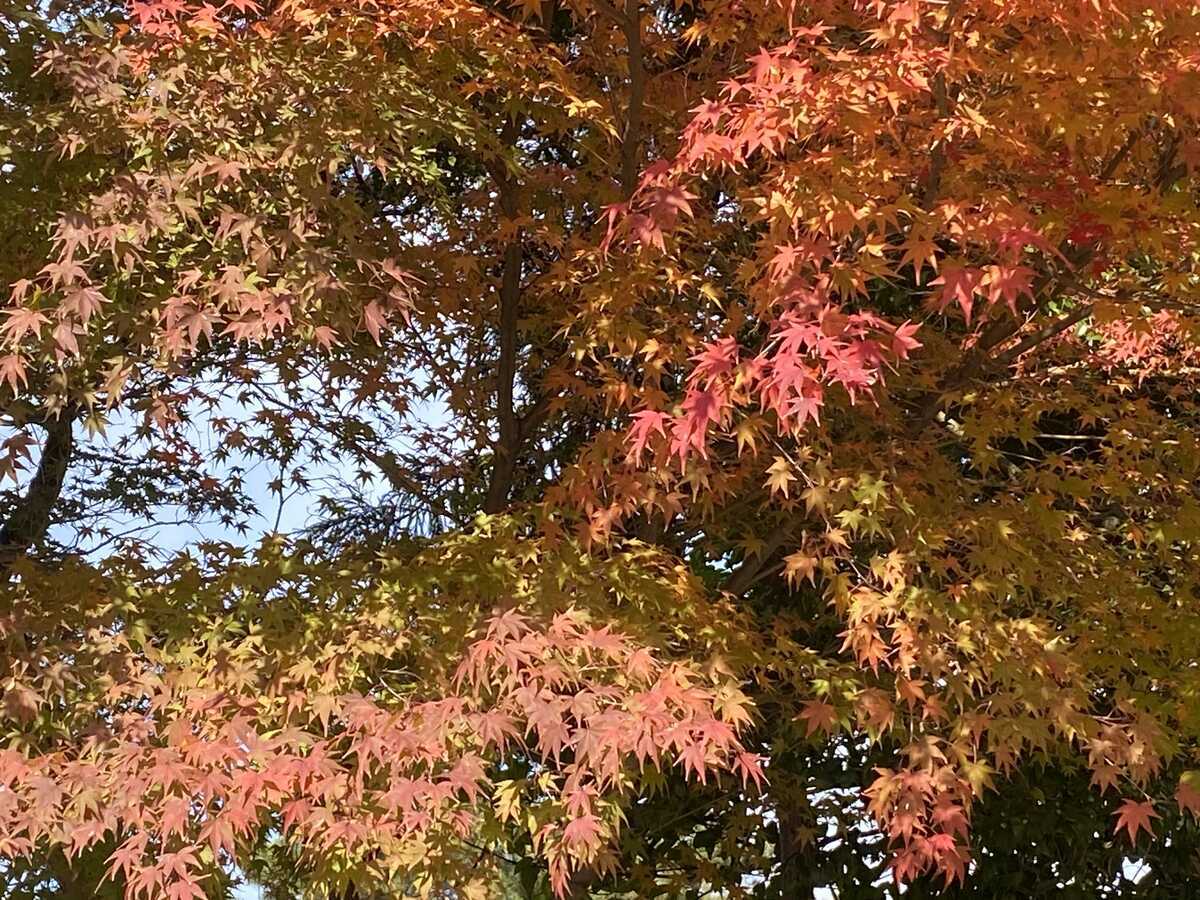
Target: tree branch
(630,23)
(611,11)
(631,139)
(507,446)
(402,482)
(28,523)
(746,574)
(977,359)
(1043,334)
(937,161)
(941,101)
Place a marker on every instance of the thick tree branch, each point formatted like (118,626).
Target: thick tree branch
(979,358)
(746,574)
(793,855)
(1043,334)
(508,443)
(631,139)
(941,101)
(29,522)
(937,161)
(630,23)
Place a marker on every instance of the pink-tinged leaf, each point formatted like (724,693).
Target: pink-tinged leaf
(22,322)
(1008,284)
(690,431)
(903,340)
(20,288)
(694,759)
(748,766)
(645,424)
(325,336)
(374,319)
(12,372)
(645,231)
(584,831)
(714,361)
(185,890)
(64,338)
(668,203)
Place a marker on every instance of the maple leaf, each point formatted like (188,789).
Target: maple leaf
(801,565)
(185,890)
(779,476)
(734,707)
(508,799)
(918,253)
(645,423)
(818,716)
(583,831)
(1135,816)
(20,288)
(1007,283)
(374,319)
(21,702)
(749,767)
(64,272)
(667,203)
(903,340)
(690,431)
(714,361)
(21,322)
(1187,794)
(959,285)
(1105,777)
(694,760)
(13,372)
(646,231)
(815,497)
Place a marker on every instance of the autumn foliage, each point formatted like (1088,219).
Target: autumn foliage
(183,752)
(748,447)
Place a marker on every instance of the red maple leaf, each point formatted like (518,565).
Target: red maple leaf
(959,285)
(691,430)
(715,360)
(1008,283)
(1135,816)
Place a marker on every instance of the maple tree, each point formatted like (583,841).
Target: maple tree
(753,446)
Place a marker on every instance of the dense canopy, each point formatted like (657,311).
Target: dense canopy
(616,448)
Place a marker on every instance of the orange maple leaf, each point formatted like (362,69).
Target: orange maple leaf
(1187,795)
(818,716)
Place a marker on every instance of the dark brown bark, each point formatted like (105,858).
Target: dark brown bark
(507,446)
(630,22)
(753,568)
(795,879)
(631,138)
(28,523)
